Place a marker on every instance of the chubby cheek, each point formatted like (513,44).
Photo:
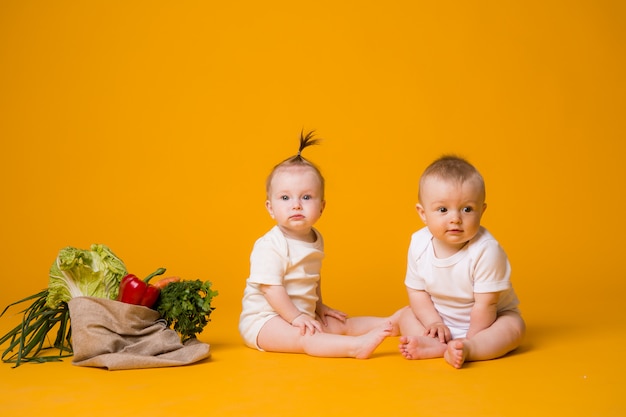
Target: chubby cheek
(431,220)
(438,226)
(473,227)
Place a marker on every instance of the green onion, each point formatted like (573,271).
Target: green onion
(27,340)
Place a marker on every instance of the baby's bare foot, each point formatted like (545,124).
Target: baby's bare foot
(371,340)
(456,353)
(421,347)
(395,321)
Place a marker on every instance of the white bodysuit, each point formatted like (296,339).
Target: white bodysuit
(480,267)
(277,260)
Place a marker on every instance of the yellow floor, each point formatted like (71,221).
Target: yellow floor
(564,369)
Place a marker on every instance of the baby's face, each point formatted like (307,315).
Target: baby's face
(452,210)
(295,201)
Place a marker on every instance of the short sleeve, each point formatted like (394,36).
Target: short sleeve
(492,270)
(420,240)
(268,261)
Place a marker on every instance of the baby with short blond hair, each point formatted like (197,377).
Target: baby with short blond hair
(462,304)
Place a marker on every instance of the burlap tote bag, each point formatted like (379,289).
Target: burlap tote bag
(114,335)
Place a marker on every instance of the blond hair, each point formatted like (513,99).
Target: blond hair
(451,168)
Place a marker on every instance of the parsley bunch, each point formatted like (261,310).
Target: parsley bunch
(186,306)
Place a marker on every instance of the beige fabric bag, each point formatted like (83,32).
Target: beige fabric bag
(115,335)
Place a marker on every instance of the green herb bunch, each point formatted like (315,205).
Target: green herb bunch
(186,306)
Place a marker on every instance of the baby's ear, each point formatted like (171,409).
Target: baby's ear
(268,207)
(421,212)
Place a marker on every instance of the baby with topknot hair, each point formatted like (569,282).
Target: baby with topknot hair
(282,307)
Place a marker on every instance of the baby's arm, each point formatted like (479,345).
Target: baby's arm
(484,312)
(425,311)
(277,297)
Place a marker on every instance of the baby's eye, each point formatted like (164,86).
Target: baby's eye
(467,210)
(442,210)
(284,197)
(306,197)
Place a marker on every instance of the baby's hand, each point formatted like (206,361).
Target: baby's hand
(306,323)
(438,330)
(324,311)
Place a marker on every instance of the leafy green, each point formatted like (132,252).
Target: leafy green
(77,272)
(186,306)
(96,272)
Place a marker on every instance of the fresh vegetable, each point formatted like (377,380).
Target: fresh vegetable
(186,306)
(139,292)
(76,272)
(27,339)
(160,284)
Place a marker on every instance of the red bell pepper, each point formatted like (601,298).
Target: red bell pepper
(139,292)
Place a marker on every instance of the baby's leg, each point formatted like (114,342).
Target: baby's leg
(408,324)
(356,326)
(503,336)
(421,347)
(456,352)
(413,343)
(279,336)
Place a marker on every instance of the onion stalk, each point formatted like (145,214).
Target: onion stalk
(27,340)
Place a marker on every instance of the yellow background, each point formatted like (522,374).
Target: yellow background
(150,126)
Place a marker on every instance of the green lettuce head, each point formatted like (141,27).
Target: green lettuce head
(92,273)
